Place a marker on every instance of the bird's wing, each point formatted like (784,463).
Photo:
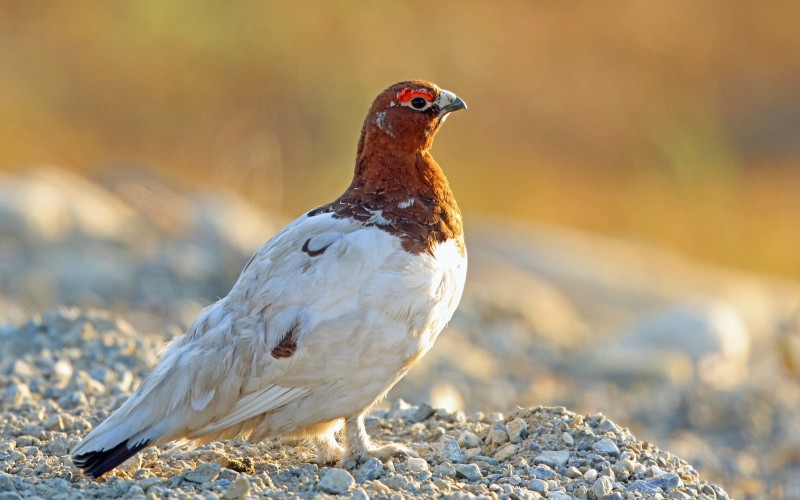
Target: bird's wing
(236,361)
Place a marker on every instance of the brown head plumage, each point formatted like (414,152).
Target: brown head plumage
(395,175)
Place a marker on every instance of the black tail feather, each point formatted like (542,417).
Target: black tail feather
(97,463)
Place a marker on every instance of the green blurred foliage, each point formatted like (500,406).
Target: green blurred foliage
(674,122)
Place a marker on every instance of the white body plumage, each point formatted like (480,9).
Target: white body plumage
(360,309)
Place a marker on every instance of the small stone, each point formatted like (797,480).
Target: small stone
(497,436)
(706,489)
(542,472)
(608,426)
(401,409)
(506,452)
(469,439)
(667,481)
(203,473)
(336,482)
(604,469)
(517,430)
(62,372)
(574,473)
(482,458)
(567,438)
(72,400)
(380,488)
(359,495)
(627,464)
(607,446)
(446,470)
(417,465)
(7,482)
(496,417)
(443,485)
(373,469)
(58,446)
(22,370)
(450,451)
(16,394)
(458,417)
(423,412)
(538,485)
(643,487)
(238,488)
(558,495)
(552,458)
(149,482)
(590,475)
(602,487)
(10,495)
(470,472)
(134,490)
(620,471)
(54,423)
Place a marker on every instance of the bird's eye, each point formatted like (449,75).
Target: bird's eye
(418,102)
(415,98)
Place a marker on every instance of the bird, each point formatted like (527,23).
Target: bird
(325,318)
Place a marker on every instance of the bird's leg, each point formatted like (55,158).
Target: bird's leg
(328,450)
(359,448)
(323,438)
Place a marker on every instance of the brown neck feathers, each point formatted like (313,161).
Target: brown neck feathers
(400,192)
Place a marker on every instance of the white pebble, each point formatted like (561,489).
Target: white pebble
(602,487)
(506,452)
(417,465)
(337,482)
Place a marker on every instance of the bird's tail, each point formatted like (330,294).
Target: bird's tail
(97,463)
(127,431)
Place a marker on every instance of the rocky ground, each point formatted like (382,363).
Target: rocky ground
(63,373)
(699,361)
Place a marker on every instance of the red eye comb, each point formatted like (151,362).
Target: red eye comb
(407,94)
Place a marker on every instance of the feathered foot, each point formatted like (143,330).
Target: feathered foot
(328,450)
(359,448)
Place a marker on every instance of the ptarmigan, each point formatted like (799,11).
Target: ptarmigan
(325,318)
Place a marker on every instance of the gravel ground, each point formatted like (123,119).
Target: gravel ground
(61,374)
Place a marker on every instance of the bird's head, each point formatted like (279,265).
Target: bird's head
(407,115)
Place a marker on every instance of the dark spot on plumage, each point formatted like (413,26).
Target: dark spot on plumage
(287,346)
(313,253)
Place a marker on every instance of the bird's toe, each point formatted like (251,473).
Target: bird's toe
(382,453)
(328,453)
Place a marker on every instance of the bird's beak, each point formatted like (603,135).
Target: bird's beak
(449,102)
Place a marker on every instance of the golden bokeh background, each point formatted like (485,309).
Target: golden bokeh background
(675,123)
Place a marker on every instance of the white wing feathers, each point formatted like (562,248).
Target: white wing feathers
(221,373)
(254,404)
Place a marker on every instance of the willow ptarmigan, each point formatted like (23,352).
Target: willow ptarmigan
(325,318)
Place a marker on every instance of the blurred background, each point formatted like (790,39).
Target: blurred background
(630,177)
(677,124)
